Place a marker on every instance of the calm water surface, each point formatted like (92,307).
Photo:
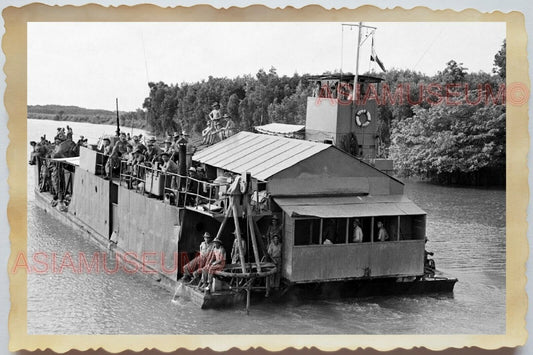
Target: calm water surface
(466,228)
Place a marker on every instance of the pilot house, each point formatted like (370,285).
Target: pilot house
(319,191)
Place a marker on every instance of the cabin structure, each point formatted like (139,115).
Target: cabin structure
(319,190)
(343,114)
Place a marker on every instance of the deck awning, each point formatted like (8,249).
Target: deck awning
(282,129)
(348,207)
(75,161)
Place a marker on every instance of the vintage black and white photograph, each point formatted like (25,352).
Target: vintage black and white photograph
(266,178)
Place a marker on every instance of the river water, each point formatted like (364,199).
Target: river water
(466,230)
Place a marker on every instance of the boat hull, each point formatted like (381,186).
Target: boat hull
(372,287)
(229,298)
(209,300)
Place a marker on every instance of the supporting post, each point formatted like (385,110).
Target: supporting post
(252,233)
(223,224)
(118,123)
(321,226)
(238,234)
(372,231)
(260,239)
(347,230)
(267,285)
(356,78)
(398,236)
(248,298)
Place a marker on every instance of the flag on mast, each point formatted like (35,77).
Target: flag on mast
(374,57)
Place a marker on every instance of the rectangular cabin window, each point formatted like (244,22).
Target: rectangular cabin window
(366,227)
(412,227)
(306,231)
(334,229)
(390,226)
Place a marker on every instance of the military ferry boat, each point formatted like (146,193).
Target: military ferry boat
(302,208)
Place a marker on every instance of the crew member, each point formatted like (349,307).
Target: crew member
(214,115)
(152,151)
(229,129)
(383,235)
(168,146)
(357,231)
(194,267)
(116,153)
(215,262)
(274,250)
(168,165)
(273,229)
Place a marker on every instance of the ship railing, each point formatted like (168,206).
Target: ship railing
(175,189)
(185,191)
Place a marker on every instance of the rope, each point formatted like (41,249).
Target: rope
(145,62)
(427,49)
(342,49)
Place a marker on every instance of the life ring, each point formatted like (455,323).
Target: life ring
(358,118)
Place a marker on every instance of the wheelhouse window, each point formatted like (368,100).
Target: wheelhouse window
(334,230)
(307,231)
(365,223)
(412,227)
(314,231)
(386,228)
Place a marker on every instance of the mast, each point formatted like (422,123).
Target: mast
(118,123)
(356,77)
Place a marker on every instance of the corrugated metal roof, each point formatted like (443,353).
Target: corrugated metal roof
(261,155)
(347,207)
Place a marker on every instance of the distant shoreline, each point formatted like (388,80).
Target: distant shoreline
(122,126)
(79,114)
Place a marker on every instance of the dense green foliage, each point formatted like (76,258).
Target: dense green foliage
(249,100)
(449,127)
(460,139)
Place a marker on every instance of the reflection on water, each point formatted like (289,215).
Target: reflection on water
(466,230)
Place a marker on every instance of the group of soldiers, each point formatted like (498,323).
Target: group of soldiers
(148,154)
(51,178)
(200,271)
(62,147)
(215,131)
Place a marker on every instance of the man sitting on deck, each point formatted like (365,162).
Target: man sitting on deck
(194,267)
(214,263)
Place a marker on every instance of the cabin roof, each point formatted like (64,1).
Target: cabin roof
(261,155)
(347,78)
(348,206)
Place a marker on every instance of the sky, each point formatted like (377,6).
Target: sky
(89,64)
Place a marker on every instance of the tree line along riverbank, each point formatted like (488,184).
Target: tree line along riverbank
(448,128)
